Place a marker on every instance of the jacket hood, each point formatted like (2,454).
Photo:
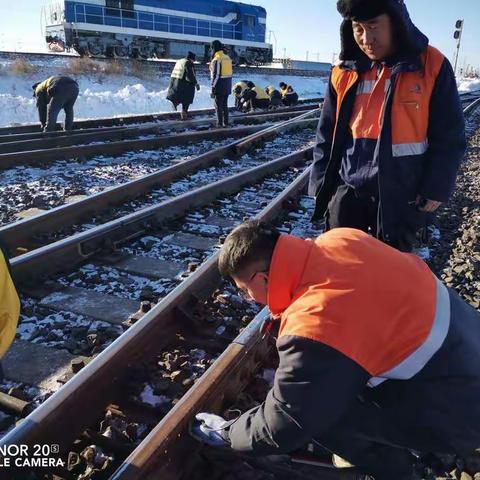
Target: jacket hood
(412,42)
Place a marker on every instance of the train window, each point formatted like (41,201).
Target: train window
(250,21)
(127,11)
(127,4)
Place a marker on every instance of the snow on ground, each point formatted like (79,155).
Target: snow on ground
(468,84)
(106,96)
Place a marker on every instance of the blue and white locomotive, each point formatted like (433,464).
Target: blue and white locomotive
(157,28)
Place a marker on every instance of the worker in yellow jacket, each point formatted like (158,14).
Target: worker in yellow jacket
(221,73)
(9,306)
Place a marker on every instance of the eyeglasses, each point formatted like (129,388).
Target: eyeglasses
(245,294)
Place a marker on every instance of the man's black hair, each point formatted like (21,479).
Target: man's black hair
(250,84)
(249,242)
(282,84)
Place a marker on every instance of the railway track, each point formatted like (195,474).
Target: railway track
(133,120)
(148,362)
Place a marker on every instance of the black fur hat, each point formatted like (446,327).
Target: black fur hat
(216,45)
(359,10)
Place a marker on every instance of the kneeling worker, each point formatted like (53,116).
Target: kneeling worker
(237,92)
(377,357)
(289,96)
(255,97)
(53,95)
(275,97)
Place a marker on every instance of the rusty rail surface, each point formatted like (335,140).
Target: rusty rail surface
(21,233)
(126,119)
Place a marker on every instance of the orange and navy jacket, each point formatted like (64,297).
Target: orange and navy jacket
(408,142)
(358,316)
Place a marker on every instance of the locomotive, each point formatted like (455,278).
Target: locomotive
(157,28)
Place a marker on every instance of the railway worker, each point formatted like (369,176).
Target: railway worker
(289,96)
(254,97)
(275,97)
(221,73)
(377,357)
(391,134)
(183,83)
(9,306)
(237,92)
(54,94)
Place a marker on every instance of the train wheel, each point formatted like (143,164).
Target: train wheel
(121,51)
(94,50)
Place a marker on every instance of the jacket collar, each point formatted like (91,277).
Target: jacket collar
(286,271)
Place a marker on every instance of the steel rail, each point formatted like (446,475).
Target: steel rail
(62,418)
(135,118)
(165,449)
(19,137)
(32,157)
(22,232)
(162,450)
(56,257)
(123,133)
(469,109)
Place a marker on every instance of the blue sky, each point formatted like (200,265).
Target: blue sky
(298,26)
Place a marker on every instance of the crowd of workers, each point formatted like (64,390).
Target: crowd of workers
(247,95)
(379,360)
(60,92)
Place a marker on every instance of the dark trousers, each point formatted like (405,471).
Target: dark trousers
(349,209)
(221,107)
(258,103)
(369,439)
(64,99)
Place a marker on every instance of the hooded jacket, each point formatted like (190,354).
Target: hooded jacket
(359,317)
(421,138)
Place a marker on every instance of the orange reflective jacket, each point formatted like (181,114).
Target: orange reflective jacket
(381,308)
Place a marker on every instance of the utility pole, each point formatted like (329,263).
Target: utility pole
(284,53)
(457,35)
(307,56)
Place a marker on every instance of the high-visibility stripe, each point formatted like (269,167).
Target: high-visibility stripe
(405,149)
(179,69)
(415,362)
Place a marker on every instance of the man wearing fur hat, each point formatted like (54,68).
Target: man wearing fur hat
(391,134)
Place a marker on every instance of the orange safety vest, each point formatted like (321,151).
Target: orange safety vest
(382,308)
(411,101)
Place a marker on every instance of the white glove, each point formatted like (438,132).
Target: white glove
(207,429)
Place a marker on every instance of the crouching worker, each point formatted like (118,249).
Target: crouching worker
(9,306)
(53,95)
(183,83)
(254,97)
(377,357)
(275,97)
(289,96)
(237,92)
